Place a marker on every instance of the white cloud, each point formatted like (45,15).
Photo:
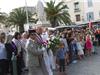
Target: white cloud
(8,5)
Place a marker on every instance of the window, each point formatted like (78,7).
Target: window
(76,5)
(78,18)
(90,3)
(90,16)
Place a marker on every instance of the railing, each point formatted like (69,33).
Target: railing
(77,10)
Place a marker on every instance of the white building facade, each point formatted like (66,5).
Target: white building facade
(83,11)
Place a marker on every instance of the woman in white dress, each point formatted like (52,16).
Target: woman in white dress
(17,41)
(80,49)
(25,52)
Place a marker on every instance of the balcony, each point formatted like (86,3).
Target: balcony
(77,10)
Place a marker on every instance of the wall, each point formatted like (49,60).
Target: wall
(84,9)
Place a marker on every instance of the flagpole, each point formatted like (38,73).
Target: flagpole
(26,9)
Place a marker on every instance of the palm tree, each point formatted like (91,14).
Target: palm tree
(57,13)
(18,17)
(3,17)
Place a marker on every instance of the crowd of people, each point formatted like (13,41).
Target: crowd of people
(32,53)
(78,44)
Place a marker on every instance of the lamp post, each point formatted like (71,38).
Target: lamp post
(26,12)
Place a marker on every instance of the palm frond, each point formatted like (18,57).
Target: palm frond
(59,5)
(57,14)
(63,7)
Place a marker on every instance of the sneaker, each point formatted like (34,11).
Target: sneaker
(74,62)
(25,69)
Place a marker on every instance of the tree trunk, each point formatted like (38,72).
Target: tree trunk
(21,28)
(54,23)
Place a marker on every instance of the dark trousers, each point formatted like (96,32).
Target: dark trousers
(99,41)
(3,67)
(19,65)
(61,65)
(8,67)
(73,55)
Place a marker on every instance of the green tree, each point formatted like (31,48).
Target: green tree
(3,17)
(57,13)
(18,17)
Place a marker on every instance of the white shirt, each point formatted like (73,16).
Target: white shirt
(3,53)
(18,44)
(23,42)
(79,46)
(45,36)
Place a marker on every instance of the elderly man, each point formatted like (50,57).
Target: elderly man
(33,62)
(45,64)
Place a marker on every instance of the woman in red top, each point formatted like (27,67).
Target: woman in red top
(89,45)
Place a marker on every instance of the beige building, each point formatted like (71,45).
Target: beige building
(83,11)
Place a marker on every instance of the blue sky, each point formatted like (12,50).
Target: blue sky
(8,5)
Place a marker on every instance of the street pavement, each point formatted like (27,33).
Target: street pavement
(90,65)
